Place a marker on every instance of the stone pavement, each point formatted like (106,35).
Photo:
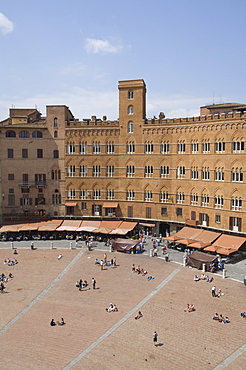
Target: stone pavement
(44,288)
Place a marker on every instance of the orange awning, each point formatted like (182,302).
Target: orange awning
(199,245)
(225,251)
(70,204)
(110,205)
(229,241)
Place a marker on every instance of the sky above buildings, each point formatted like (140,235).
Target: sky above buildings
(190,53)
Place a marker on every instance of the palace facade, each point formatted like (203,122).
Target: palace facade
(161,172)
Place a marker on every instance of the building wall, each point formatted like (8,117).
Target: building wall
(164,171)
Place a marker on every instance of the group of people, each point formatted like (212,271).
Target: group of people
(203,277)
(84,284)
(5,279)
(104,262)
(112,308)
(138,270)
(221,318)
(10,262)
(189,308)
(54,323)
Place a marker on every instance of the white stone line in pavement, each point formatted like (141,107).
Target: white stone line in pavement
(123,319)
(231,358)
(31,304)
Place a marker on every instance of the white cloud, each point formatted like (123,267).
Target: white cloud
(95,46)
(6,26)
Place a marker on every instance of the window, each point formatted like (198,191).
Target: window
(148,196)
(164,171)
(70,148)
(71,171)
(55,122)
(194,199)
(84,194)
(220,146)
(205,173)
(110,147)
(96,148)
(10,153)
(110,171)
(163,211)
(164,197)
(219,174)
(236,204)
(130,171)
(40,179)
(26,201)
(56,197)
(11,176)
(96,171)
(219,201)
(24,153)
(130,94)
(148,212)
(96,194)
(235,223)
(194,173)
(10,133)
(40,199)
(217,219)
(180,172)
(149,147)
(180,198)
(11,199)
(55,174)
(39,153)
(237,175)
(83,206)
(130,127)
(179,211)
(83,147)
(130,147)
(25,190)
(148,171)
(130,109)
(130,211)
(55,134)
(83,171)
(71,193)
(203,219)
(24,134)
(205,200)
(238,146)
(181,147)
(56,154)
(206,146)
(37,134)
(194,146)
(24,179)
(130,194)
(165,147)
(110,194)
(96,209)
(11,190)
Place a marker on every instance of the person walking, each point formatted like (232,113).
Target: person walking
(155,338)
(213,290)
(105,258)
(101,264)
(93,283)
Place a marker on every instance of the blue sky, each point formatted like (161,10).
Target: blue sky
(190,53)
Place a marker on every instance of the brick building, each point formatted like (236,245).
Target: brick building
(159,171)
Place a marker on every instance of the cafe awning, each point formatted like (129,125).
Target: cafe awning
(110,205)
(89,225)
(71,204)
(199,245)
(230,241)
(69,225)
(225,251)
(146,225)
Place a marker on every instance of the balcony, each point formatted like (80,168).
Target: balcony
(32,183)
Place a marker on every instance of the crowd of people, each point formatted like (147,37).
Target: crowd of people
(10,262)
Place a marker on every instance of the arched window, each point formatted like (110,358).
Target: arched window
(130,109)
(24,134)
(10,133)
(55,122)
(130,127)
(55,134)
(56,197)
(37,134)
(56,153)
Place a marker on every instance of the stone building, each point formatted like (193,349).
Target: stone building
(161,172)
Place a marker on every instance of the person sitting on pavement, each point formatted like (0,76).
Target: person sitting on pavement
(243,314)
(52,323)
(203,277)
(196,278)
(143,272)
(133,268)
(139,315)
(62,322)
(216,317)
(138,269)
